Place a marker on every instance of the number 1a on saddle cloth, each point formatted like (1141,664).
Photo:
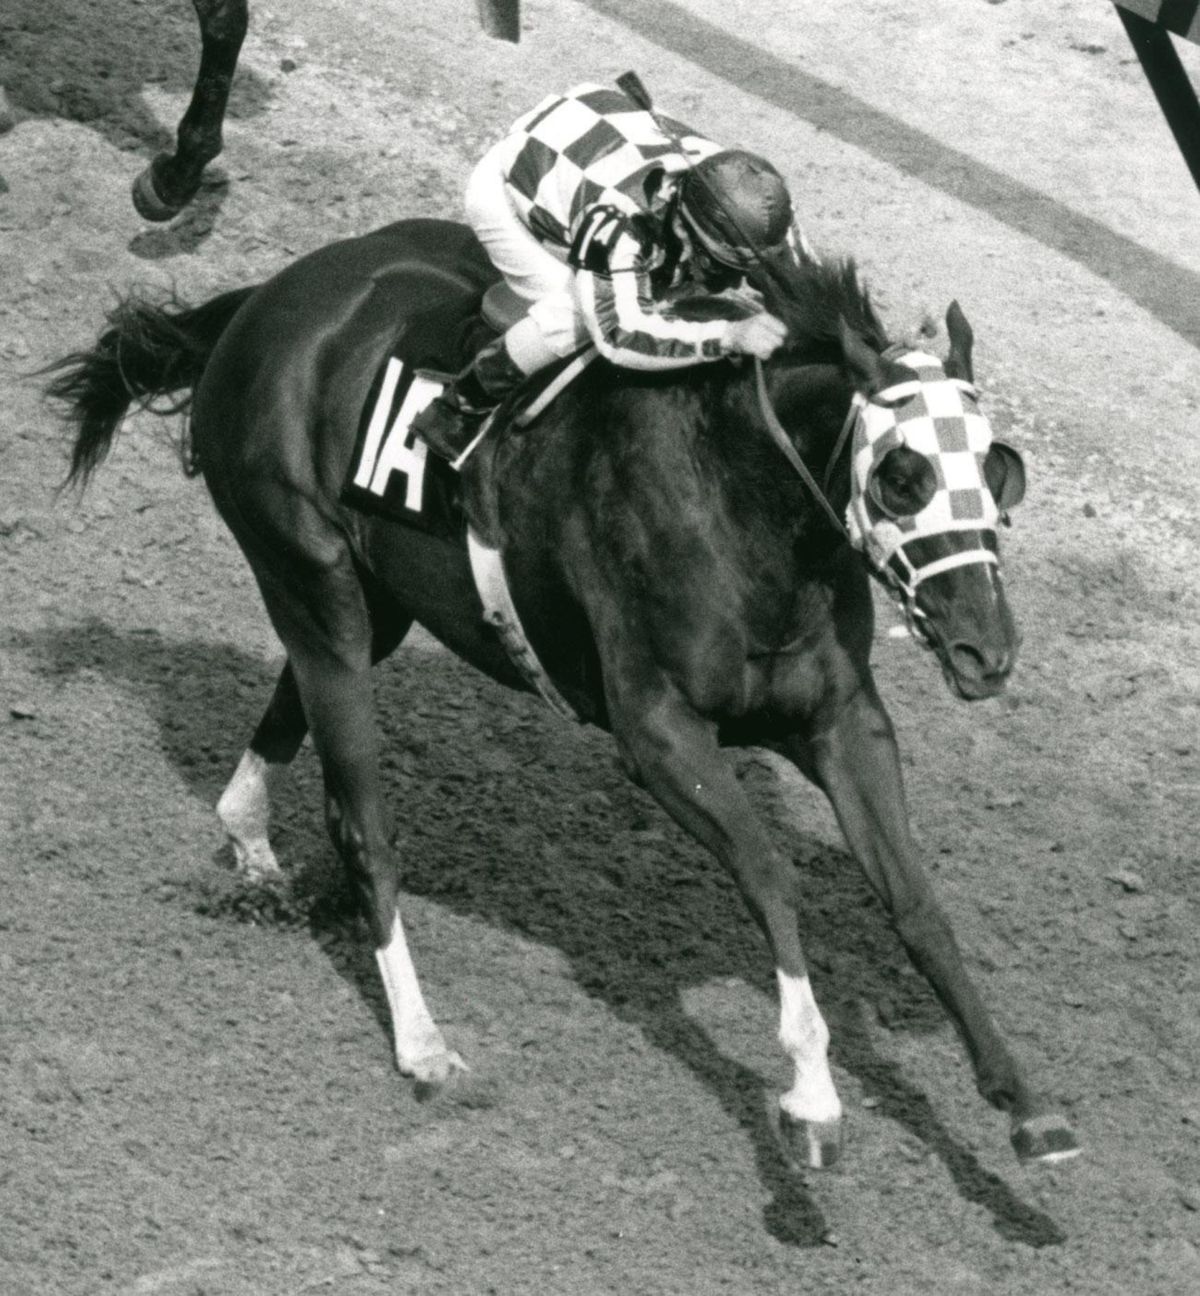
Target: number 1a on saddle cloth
(391,472)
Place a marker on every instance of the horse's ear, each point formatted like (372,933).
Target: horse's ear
(865,365)
(958,363)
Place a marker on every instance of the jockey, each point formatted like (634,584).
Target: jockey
(598,217)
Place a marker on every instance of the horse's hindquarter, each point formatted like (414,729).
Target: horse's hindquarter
(285,386)
(277,414)
(277,411)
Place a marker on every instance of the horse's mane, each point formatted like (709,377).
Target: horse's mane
(812,297)
(816,300)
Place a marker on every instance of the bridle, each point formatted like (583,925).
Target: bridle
(884,543)
(883,540)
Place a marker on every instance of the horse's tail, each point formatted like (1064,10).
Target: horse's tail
(146,351)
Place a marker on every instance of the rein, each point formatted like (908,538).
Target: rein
(792,455)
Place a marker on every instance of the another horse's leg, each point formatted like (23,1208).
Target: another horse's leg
(674,752)
(171,181)
(244,806)
(857,764)
(319,609)
(501,18)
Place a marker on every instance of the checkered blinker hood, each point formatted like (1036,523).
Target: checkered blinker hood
(939,419)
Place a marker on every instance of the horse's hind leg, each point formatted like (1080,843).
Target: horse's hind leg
(244,808)
(170,182)
(245,804)
(320,612)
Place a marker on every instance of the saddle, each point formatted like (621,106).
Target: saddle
(391,473)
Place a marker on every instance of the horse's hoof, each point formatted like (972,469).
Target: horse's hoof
(816,1144)
(256,861)
(1044,1139)
(150,204)
(431,1073)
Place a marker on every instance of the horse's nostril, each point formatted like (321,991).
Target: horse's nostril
(972,662)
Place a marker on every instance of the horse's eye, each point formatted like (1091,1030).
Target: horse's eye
(903,483)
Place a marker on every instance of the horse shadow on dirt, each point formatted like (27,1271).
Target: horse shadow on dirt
(90,64)
(468,762)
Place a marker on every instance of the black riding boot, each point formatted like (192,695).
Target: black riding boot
(450,422)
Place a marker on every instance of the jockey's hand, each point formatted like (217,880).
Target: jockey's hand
(757,335)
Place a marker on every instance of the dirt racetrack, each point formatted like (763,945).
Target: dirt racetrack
(196,1081)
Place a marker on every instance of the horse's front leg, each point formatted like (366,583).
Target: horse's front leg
(673,751)
(171,181)
(857,764)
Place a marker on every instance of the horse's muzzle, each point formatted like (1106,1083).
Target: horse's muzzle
(976,672)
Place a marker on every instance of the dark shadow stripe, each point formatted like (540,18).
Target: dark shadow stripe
(1178,15)
(1168,291)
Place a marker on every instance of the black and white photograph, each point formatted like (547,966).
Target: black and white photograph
(600,648)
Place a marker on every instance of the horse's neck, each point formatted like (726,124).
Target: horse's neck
(810,400)
(711,448)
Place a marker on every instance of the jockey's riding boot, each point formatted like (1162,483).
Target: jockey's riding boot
(450,422)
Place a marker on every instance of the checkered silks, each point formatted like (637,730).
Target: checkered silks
(588,146)
(939,418)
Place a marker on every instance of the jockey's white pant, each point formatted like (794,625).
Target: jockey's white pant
(554,326)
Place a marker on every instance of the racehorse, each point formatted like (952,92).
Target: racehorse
(172,180)
(681,584)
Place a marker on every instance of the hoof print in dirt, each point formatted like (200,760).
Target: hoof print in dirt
(265,903)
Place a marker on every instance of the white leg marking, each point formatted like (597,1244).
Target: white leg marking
(244,810)
(805,1038)
(421,1051)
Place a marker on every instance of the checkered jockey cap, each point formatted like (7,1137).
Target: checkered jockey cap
(939,418)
